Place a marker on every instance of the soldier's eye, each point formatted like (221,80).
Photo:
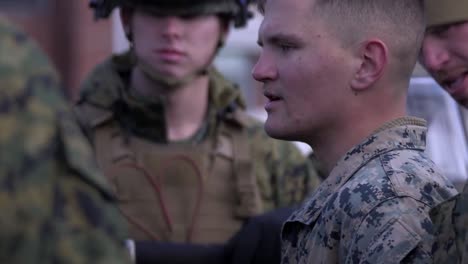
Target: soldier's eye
(285,48)
(189,17)
(437,30)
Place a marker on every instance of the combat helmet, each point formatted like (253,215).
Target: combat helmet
(235,10)
(440,12)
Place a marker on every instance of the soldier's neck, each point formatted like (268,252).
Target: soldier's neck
(185,107)
(332,144)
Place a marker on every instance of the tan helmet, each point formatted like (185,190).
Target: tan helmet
(440,12)
(237,10)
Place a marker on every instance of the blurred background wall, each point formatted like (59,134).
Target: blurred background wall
(66,31)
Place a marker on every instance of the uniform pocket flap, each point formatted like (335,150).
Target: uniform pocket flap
(395,241)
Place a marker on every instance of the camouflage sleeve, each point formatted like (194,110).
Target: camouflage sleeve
(286,176)
(55,206)
(444,249)
(460,215)
(397,231)
(451,224)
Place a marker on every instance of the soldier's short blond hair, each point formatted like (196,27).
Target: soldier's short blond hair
(400,23)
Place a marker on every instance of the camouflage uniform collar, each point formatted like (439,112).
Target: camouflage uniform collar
(402,121)
(399,134)
(107,81)
(222,92)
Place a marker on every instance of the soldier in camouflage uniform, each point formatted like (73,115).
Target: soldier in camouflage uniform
(444,54)
(336,75)
(55,207)
(186,162)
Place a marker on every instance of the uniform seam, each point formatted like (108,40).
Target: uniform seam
(399,193)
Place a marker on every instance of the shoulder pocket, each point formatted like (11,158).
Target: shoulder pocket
(392,245)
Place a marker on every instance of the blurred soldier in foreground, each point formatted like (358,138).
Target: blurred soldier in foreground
(445,56)
(336,75)
(55,207)
(185,161)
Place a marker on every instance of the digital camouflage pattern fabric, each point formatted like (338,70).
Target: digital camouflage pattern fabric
(461,224)
(55,207)
(374,207)
(451,218)
(284,175)
(447,243)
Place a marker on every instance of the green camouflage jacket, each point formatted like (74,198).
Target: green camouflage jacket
(374,207)
(55,207)
(284,175)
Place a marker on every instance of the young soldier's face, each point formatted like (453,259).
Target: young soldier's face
(445,56)
(304,71)
(176,46)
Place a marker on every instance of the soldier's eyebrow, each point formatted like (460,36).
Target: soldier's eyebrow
(280,37)
(436,30)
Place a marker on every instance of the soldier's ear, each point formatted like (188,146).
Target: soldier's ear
(373,60)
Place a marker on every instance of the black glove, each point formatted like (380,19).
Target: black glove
(259,241)
(179,253)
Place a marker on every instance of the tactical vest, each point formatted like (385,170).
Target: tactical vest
(170,192)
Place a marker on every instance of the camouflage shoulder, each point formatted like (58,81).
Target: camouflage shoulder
(98,92)
(78,152)
(460,214)
(93,205)
(276,149)
(103,84)
(20,54)
(88,116)
(290,170)
(94,221)
(47,174)
(28,101)
(445,232)
(35,103)
(396,231)
(424,178)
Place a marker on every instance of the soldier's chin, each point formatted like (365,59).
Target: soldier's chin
(279,132)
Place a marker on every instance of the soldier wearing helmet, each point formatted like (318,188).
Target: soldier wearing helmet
(171,133)
(444,54)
